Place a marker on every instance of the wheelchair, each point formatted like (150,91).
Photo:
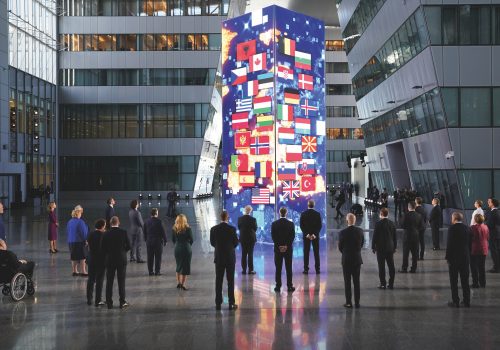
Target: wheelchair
(15,284)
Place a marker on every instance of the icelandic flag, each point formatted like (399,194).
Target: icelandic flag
(302,126)
(309,108)
(286,171)
(239,75)
(293,153)
(286,136)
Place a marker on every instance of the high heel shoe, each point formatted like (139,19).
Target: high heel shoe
(179,286)
(51,251)
(183,288)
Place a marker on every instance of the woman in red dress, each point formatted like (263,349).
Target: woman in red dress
(52,229)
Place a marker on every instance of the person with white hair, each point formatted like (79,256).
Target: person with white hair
(247,225)
(77,231)
(10,259)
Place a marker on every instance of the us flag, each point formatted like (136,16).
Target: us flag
(260,196)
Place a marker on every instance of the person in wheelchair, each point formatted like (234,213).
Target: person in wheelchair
(13,263)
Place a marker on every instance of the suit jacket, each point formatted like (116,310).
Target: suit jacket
(247,225)
(96,255)
(9,260)
(283,234)
(310,222)
(412,224)
(384,237)
(436,217)
(351,240)
(458,246)
(110,212)
(421,210)
(154,233)
(115,245)
(493,223)
(224,239)
(136,222)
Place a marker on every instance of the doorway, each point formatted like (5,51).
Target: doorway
(398,165)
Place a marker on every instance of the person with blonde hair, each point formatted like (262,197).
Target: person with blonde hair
(52,227)
(77,231)
(182,237)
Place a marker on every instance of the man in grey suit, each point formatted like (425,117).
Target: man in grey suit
(136,233)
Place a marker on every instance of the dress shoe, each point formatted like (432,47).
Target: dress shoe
(141,261)
(217,307)
(474,286)
(110,305)
(89,302)
(251,272)
(183,287)
(464,304)
(381,286)
(56,251)
(100,303)
(453,304)
(233,306)
(318,272)
(75,274)
(291,289)
(132,259)
(357,306)
(403,271)
(151,274)
(157,273)
(277,289)
(52,251)
(84,275)
(413,271)
(243,272)
(124,305)
(348,305)
(305,272)
(390,286)
(493,271)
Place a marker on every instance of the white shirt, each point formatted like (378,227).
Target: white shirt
(477,211)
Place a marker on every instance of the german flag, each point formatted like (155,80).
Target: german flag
(292,96)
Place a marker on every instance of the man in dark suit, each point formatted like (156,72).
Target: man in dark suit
(493,223)
(340,203)
(384,243)
(421,233)
(110,211)
(115,245)
(412,224)
(224,239)
(436,222)
(351,240)
(283,235)
(248,237)
(96,263)
(10,260)
(310,224)
(156,238)
(458,258)
(171,198)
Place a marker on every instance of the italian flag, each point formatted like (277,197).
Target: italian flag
(285,112)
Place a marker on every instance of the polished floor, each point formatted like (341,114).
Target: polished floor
(412,316)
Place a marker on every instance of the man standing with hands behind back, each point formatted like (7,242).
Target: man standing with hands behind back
(384,243)
(310,225)
(247,225)
(223,238)
(283,235)
(436,221)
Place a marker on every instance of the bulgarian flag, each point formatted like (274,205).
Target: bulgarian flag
(285,112)
(303,60)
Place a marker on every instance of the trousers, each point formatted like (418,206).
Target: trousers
(155,251)
(307,249)
(135,251)
(221,269)
(382,259)
(247,256)
(278,262)
(351,273)
(477,268)
(96,278)
(408,247)
(463,271)
(120,271)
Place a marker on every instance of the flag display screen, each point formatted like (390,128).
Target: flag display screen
(273,116)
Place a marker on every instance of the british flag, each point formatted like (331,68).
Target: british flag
(291,189)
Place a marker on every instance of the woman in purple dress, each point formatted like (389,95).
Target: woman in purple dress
(52,229)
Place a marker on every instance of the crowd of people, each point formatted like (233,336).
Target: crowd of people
(106,251)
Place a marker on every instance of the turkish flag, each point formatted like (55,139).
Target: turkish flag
(242,140)
(308,184)
(245,50)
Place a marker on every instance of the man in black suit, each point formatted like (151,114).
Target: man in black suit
(96,263)
(283,235)
(412,224)
(171,198)
(351,240)
(384,243)
(340,203)
(310,224)
(493,223)
(248,237)
(224,239)
(156,238)
(436,222)
(458,258)
(110,211)
(421,233)
(115,245)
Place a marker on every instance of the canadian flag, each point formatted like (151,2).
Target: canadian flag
(258,62)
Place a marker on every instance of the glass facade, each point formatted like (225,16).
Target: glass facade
(105,121)
(140,42)
(337,67)
(340,156)
(32,119)
(341,112)
(344,134)
(428,182)
(338,89)
(382,179)
(33,37)
(419,116)
(337,178)
(359,21)
(145,7)
(334,45)
(137,77)
(128,173)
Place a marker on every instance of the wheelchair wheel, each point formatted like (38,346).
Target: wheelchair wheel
(31,288)
(6,290)
(18,286)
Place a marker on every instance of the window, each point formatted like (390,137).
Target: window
(450,101)
(433,17)
(344,134)
(337,89)
(496,25)
(337,67)
(475,25)
(475,184)
(496,107)
(475,106)
(341,112)
(127,42)
(334,45)
(148,42)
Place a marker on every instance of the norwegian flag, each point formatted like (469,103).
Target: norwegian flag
(309,144)
(291,189)
(306,82)
(310,108)
(259,145)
